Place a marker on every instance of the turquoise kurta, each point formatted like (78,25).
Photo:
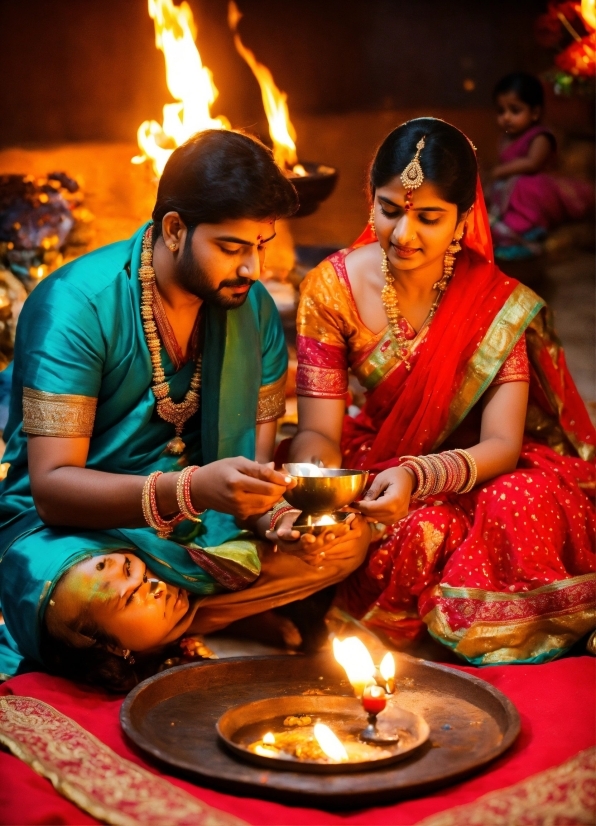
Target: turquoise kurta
(80,333)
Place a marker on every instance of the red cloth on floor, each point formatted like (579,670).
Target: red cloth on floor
(555,702)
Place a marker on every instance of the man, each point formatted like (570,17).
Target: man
(148,377)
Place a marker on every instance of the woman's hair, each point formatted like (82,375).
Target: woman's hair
(219,175)
(94,664)
(526,86)
(448,159)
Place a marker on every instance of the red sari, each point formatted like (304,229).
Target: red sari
(505,573)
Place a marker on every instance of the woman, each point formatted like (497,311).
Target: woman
(480,443)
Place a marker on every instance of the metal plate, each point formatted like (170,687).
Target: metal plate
(245,724)
(173,717)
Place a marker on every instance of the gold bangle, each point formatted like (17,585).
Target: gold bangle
(472,468)
(163,527)
(183,497)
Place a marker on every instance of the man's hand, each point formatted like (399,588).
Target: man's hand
(238,486)
(388,498)
(349,539)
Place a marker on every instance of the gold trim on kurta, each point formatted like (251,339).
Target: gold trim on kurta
(58,414)
(91,775)
(502,335)
(272,400)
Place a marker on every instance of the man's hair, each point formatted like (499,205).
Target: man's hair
(218,175)
(526,86)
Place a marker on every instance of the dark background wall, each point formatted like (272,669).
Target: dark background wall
(75,70)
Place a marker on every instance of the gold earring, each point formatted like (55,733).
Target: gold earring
(173,247)
(448,264)
(371,219)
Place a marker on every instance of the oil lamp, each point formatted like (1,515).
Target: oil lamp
(374,700)
(320,492)
(355,658)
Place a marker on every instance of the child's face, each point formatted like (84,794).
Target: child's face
(124,599)
(513,115)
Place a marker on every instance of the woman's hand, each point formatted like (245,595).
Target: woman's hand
(388,498)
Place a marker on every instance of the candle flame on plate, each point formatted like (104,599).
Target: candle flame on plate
(190,84)
(329,742)
(281,129)
(325,520)
(355,658)
(387,667)
(269,738)
(263,751)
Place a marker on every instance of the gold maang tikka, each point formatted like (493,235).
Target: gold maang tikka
(412,177)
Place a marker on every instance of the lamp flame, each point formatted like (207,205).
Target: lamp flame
(353,655)
(190,83)
(387,669)
(269,738)
(588,13)
(329,742)
(281,129)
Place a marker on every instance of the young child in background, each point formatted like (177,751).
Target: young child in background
(525,199)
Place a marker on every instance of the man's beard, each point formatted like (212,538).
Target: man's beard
(192,278)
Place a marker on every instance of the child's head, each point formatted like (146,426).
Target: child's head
(102,609)
(519,98)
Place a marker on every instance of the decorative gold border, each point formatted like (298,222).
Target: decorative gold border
(504,634)
(516,314)
(58,414)
(272,400)
(562,794)
(92,776)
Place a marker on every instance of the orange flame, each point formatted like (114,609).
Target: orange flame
(281,129)
(588,13)
(190,83)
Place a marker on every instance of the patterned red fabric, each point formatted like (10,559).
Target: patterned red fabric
(516,366)
(555,701)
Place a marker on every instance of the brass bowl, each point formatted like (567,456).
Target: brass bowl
(317,495)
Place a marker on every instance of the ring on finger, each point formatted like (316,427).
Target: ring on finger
(322,554)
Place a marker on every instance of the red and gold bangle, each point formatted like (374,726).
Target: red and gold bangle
(163,527)
(472,470)
(183,497)
(277,511)
(410,463)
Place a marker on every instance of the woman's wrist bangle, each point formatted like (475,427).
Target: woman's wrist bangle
(163,527)
(183,497)
(278,511)
(453,471)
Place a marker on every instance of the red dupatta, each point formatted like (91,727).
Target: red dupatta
(480,318)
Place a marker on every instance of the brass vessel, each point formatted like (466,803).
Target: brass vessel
(323,494)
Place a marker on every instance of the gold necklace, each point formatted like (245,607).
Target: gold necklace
(169,411)
(391,304)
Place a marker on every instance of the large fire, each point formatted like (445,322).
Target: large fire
(190,83)
(281,130)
